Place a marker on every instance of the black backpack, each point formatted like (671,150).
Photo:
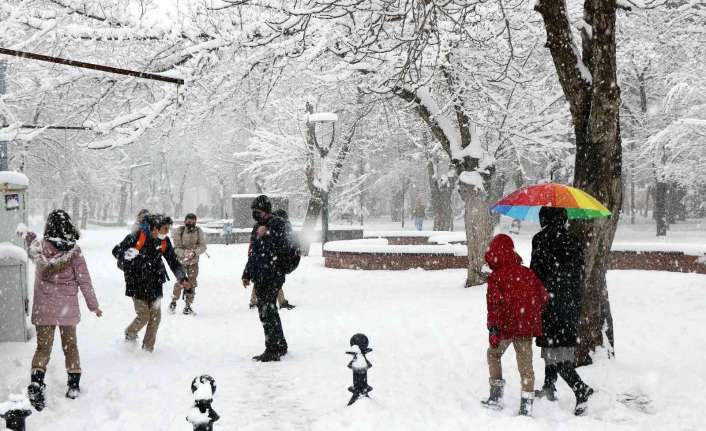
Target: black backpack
(290,256)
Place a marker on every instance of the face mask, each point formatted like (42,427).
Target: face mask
(190,227)
(162,236)
(257,216)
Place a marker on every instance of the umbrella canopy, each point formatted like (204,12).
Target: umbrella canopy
(525,203)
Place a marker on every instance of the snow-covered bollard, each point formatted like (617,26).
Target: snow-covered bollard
(202,415)
(15,412)
(360,365)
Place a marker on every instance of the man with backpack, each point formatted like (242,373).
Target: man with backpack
(189,244)
(139,256)
(281,299)
(271,256)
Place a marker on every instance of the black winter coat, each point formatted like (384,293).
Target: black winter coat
(262,267)
(557,259)
(145,274)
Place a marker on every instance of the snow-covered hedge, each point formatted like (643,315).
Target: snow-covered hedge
(381,246)
(11,251)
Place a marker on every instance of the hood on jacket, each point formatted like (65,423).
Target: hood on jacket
(552,216)
(501,252)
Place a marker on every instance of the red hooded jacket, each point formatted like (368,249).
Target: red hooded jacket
(515,294)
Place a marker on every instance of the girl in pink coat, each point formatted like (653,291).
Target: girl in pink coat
(61,272)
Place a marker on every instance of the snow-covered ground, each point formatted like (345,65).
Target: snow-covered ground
(428,337)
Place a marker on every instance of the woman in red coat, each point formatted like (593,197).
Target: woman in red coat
(515,299)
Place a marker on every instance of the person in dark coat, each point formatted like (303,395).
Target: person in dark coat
(557,259)
(140,255)
(267,241)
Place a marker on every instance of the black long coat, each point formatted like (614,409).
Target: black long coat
(145,274)
(557,259)
(262,267)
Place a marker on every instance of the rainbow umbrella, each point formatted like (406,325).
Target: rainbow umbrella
(524,204)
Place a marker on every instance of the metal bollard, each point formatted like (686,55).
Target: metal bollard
(202,415)
(15,412)
(360,366)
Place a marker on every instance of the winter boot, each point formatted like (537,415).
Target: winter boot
(583,393)
(286,305)
(172,307)
(267,356)
(188,310)
(548,390)
(36,390)
(73,390)
(495,400)
(129,337)
(526,403)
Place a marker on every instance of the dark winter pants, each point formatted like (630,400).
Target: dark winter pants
(269,316)
(45,340)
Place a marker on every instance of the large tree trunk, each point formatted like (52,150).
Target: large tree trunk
(479,230)
(594,104)
(441,194)
(123,203)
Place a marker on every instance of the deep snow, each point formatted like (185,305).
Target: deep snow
(428,338)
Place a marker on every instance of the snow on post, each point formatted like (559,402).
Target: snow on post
(9,251)
(360,366)
(202,416)
(322,117)
(15,412)
(10,178)
(472,178)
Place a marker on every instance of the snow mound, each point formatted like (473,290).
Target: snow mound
(472,179)
(322,117)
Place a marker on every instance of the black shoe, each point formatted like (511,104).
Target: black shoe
(526,403)
(172,307)
(73,391)
(36,391)
(267,356)
(548,391)
(188,310)
(582,396)
(495,400)
(287,306)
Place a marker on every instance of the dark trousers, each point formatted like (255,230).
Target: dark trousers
(269,316)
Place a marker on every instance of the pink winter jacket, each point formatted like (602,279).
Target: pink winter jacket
(58,278)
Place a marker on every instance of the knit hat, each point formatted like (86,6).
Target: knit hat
(262,203)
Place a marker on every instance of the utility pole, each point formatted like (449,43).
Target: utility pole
(4,157)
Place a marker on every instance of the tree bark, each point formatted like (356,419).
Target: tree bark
(594,104)
(660,212)
(441,193)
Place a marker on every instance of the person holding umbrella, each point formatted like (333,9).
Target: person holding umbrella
(557,259)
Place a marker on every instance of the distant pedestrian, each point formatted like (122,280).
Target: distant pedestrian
(419,214)
(227,231)
(189,244)
(557,259)
(515,299)
(140,255)
(268,241)
(61,272)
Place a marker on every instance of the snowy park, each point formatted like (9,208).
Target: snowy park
(428,338)
(352,215)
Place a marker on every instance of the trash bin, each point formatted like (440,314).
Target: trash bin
(14,302)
